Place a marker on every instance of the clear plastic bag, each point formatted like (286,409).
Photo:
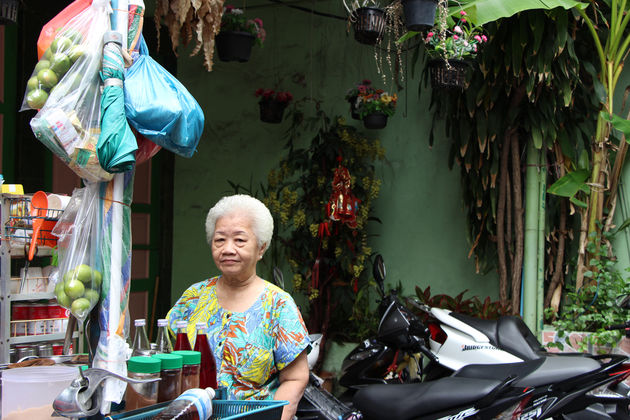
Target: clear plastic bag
(80,277)
(160,107)
(51,29)
(68,121)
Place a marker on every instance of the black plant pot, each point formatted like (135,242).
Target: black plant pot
(234,46)
(369,24)
(353,108)
(375,121)
(419,14)
(271,111)
(451,76)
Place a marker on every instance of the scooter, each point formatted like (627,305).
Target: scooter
(562,384)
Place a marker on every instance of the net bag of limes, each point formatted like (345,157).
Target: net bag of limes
(78,286)
(66,89)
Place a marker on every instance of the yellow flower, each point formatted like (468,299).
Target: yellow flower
(297,280)
(314,228)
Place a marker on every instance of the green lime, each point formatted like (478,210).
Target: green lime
(60,63)
(47,78)
(62,298)
(76,52)
(41,65)
(47,55)
(61,44)
(36,98)
(33,83)
(80,307)
(74,289)
(92,296)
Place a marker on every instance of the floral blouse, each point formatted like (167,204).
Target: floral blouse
(250,347)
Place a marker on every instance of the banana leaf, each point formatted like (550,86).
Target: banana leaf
(484,11)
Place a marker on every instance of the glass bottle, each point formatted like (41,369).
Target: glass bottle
(141,346)
(163,341)
(194,404)
(208,373)
(182,342)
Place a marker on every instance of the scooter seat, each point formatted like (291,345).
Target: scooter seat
(533,373)
(507,333)
(410,401)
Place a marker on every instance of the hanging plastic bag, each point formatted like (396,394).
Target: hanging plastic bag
(51,29)
(68,121)
(78,286)
(146,148)
(160,107)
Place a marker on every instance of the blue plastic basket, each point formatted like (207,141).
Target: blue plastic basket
(221,409)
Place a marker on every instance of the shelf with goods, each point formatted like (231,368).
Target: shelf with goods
(29,312)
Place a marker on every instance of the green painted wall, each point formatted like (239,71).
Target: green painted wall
(422,237)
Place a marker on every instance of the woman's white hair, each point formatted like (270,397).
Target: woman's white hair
(259,214)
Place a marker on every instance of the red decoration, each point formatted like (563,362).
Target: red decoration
(342,205)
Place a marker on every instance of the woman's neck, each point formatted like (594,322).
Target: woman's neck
(237,295)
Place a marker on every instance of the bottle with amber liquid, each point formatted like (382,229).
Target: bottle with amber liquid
(182,342)
(208,372)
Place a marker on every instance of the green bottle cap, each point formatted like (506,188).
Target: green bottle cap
(169,360)
(143,364)
(190,357)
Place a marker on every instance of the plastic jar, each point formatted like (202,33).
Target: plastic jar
(142,395)
(191,367)
(170,385)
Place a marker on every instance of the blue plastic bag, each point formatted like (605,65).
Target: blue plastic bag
(160,107)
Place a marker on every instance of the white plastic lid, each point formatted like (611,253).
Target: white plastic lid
(201,325)
(140,322)
(162,322)
(181,324)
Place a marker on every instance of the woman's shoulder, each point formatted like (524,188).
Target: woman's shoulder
(197,288)
(278,295)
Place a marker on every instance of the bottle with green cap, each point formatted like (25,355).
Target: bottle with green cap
(145,394)
(170,376)
(191,367)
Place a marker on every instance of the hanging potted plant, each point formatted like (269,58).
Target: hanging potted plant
(352,96)
(419,14)
(272,104)
(375,106)
(238,34)
(455,40)
(368,20)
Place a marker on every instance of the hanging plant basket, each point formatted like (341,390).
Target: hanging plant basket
(8,11)
(369,24)
(419,14)
(234,46)
(375,120)
(453,75)
(271,111)
(353,108)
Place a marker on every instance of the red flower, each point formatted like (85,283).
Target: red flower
(366,82)
(259,92)
(229,8)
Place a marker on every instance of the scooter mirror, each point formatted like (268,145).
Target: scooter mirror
(379,272)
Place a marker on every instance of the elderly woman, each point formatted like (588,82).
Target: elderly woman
(255,330)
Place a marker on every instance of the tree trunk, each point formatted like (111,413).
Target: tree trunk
(503,192)
(518,224)
(557,277)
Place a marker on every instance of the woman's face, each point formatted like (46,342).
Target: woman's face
(234,246)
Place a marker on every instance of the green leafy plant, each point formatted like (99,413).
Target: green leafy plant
(376,100)
(234,19)
(594,306)
(484,309)
(457,38)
